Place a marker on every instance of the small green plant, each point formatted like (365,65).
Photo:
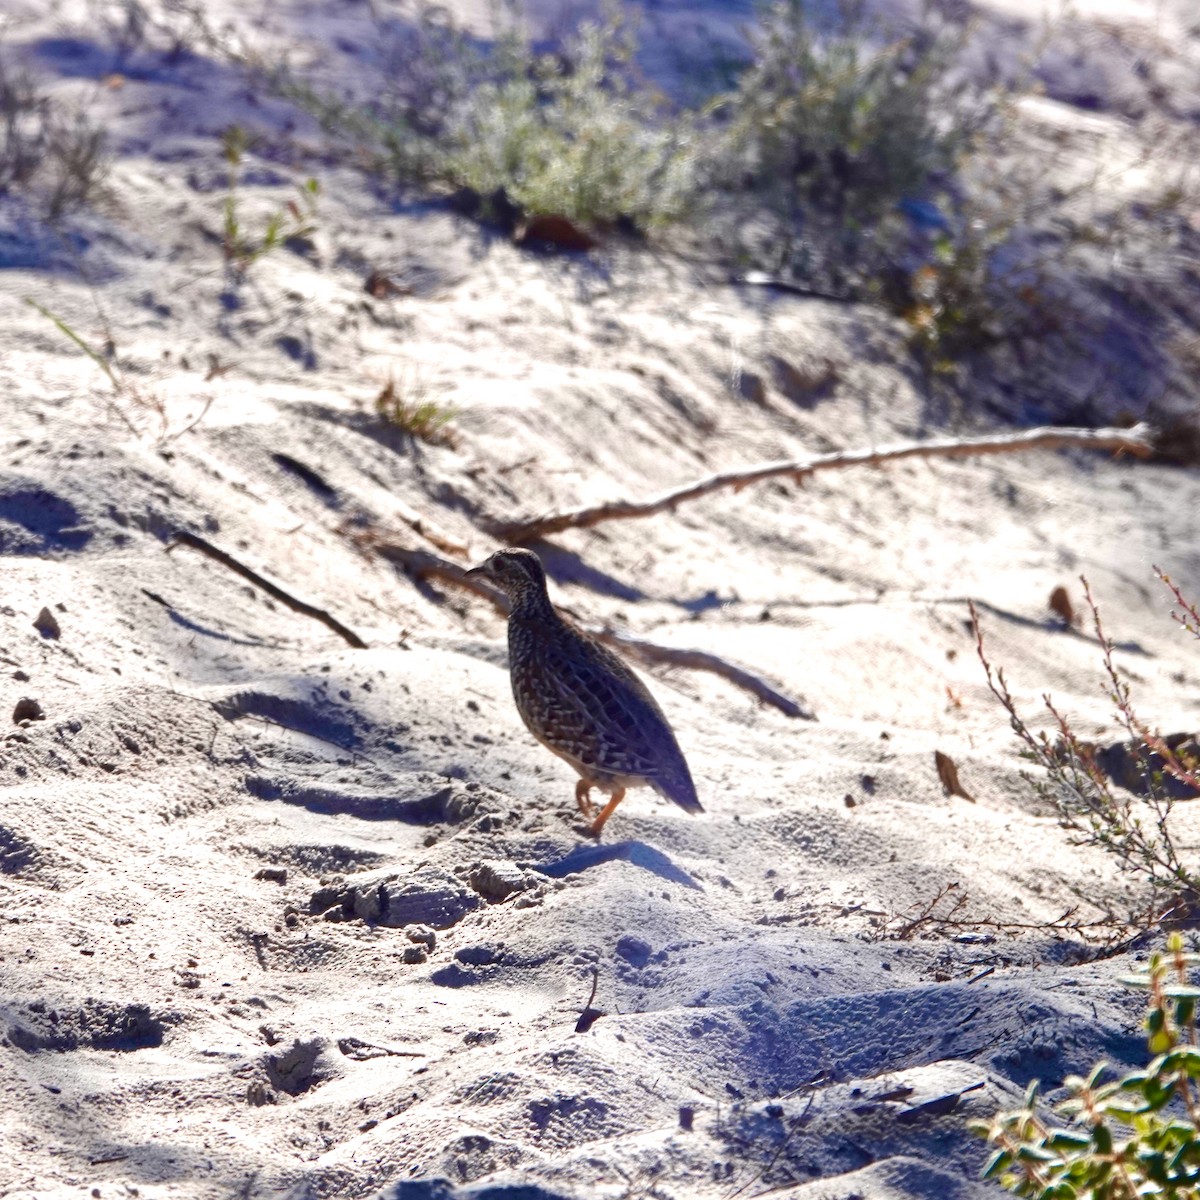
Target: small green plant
(125,395)
(574,133)
(296,219)
(950,304)
(407,406)
(1129,1139)
(1136,830)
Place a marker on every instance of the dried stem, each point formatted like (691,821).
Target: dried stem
(947,909)
(1083,797)
(1127,441)
(1186,614)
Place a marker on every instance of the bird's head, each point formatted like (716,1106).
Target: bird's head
(517,573)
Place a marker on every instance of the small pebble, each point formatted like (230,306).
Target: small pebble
(28,709)
(46,624)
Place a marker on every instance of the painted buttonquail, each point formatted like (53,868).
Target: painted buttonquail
(580,700)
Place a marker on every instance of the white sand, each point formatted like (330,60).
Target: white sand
(172,1023)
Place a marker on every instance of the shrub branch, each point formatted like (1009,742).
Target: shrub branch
(1086,802)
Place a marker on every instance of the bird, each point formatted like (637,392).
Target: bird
(580,700)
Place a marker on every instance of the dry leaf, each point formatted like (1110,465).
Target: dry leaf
(948,774)
(1060,603)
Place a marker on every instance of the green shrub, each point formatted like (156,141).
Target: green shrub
(1132,1138)
(825,134)
(573,133)
(810,151)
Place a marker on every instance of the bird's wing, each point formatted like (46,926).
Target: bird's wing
(596,703)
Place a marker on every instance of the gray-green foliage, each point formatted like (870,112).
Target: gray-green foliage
(54,156)
(572,134)
(827,130)
(821,129)
(1130,1138)
(800,163)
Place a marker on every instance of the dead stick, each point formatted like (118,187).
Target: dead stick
(183,538)
(425,565)
(1130,441)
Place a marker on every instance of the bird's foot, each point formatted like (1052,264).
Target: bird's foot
(607,811)
(582,788)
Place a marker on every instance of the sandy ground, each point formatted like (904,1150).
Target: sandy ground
(279,917)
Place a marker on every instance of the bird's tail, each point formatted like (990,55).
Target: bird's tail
(678,787)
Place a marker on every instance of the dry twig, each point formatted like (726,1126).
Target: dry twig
(425,565)
(1141,735)
(1128,441)
(1086,804)
(184,538)
(1186,613)
(948,912)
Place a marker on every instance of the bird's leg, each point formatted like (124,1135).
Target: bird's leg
(606,812)
(581,798)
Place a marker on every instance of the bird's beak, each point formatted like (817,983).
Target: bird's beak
(479,572)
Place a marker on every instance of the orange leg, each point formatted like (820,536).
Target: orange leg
(581,798)
(606,812)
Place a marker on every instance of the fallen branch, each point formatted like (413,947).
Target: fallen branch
(424,565)
(184,538)
(1129,441)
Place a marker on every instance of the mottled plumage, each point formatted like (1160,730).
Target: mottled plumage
(580,700)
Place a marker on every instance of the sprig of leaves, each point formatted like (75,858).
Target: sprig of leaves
(295,219)
(1128,1139)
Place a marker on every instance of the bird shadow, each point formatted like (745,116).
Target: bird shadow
(581,858)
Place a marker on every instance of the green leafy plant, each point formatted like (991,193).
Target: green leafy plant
(125,397)
(827,132)
(295,219)
(407,405)
(1128,1139)
(808,153)
(1137,830)
(573,134)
